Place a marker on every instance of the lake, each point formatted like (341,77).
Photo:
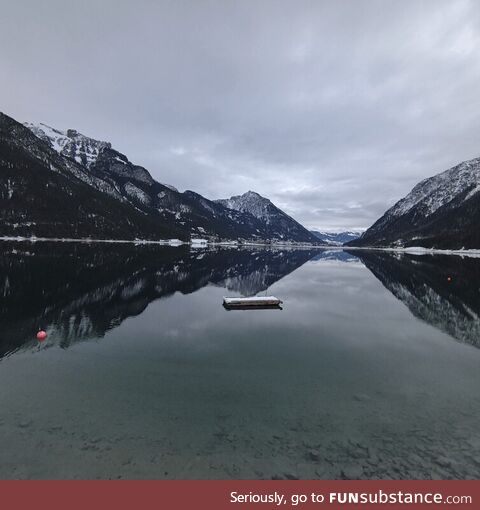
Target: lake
(370,370)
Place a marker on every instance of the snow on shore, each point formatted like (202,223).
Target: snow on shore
(413,250)
(421,250)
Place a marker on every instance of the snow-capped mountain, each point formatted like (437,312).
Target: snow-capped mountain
(440,212)
(337,238)
(45,194)
(83,149)
(253,203)
(278,224)
(151,210)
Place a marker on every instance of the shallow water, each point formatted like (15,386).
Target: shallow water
(371,370)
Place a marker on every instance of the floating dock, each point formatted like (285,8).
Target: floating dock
(252,302)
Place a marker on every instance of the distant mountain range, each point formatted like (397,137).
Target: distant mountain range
(63,184)
(440,212)
(337,238)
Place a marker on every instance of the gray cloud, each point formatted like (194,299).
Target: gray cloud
(334,110)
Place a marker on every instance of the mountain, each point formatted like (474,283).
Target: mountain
(188,212)
(440,212)
(279,226)
(45,194)
(101,194)
(337,238)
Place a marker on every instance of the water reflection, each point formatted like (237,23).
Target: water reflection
(80,291)
(344,382)
(441,290)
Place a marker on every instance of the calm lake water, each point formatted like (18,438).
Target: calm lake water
(371,370)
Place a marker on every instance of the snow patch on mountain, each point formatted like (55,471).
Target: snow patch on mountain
(136,193)
(70,143)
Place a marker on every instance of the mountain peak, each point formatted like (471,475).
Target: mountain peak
(251,193)
(279,225)
(250,202)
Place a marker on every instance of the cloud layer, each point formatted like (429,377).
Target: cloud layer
(334,110)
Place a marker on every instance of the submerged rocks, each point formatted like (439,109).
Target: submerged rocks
(23,424)
(353,472)
(361,397)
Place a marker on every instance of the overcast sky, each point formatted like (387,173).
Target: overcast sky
(333,110)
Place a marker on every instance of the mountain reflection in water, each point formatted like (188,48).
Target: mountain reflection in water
(442,290)
(78,291)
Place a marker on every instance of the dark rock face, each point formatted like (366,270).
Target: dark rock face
(440,212)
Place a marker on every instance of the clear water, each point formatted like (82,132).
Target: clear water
(371,370)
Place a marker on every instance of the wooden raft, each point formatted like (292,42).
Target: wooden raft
(252,302)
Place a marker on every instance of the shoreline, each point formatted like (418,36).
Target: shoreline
(412,250)
(162,242)
(420,250)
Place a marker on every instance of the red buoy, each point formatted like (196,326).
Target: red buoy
(41,335)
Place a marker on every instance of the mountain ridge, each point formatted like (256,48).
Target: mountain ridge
(44,194)
(441,212)
(98,165)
